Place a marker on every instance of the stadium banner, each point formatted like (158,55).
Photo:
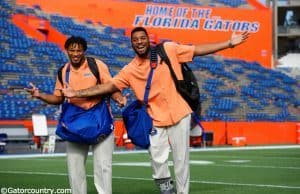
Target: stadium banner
(182,23)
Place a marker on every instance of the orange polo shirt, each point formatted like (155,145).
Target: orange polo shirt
(83,78)
(166,106)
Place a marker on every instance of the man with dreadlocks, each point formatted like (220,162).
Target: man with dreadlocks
(80,77)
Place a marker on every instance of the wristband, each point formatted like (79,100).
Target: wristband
(230,45)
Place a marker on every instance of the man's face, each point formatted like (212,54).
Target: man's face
(140,43)
(76,54)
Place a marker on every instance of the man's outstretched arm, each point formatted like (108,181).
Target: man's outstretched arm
(235,39)
(48,98)
(100,89)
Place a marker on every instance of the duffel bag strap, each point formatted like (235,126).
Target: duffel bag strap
(153,64)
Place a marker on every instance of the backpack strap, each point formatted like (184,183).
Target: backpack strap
(94,68)
(164,57)
(59,74)
(153,65)
(92,65)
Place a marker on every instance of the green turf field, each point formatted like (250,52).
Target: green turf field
(213,171)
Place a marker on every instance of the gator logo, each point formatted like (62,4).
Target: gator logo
(153,132)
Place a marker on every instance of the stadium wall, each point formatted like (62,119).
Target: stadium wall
(182,23)
(206,24)
(224,133)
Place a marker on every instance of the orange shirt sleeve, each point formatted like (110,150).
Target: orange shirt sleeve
(178,54)
(121,80)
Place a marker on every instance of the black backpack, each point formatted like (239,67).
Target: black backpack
(92,65)
(188,87)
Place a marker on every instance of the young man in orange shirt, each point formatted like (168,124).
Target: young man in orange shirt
(170,112)
(82,77)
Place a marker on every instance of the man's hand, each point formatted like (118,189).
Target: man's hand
(123,100)
(237,39)
(69,92)
(34,91)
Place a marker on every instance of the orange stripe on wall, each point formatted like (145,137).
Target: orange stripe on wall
(23,23)
(256,133)
(257,4)
(33,26)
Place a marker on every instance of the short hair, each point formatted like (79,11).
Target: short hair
(76,40)
(137,29)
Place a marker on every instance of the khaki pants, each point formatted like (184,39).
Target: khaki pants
(102,160)
(177,139)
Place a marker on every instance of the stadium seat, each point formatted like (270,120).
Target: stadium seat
(227,85)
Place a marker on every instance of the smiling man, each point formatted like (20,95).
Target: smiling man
(81,77)
(171,114)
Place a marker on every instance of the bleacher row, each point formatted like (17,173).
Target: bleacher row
(231,90)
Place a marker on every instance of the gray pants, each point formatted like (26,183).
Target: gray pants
(177,139)
(102,161)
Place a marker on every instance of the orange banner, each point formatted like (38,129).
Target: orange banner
(181,23)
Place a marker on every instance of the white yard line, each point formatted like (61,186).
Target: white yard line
(149,179)
(207,149)
(254,166)
(245,184)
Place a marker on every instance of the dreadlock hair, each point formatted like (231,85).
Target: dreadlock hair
(137,29)
(76,40)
